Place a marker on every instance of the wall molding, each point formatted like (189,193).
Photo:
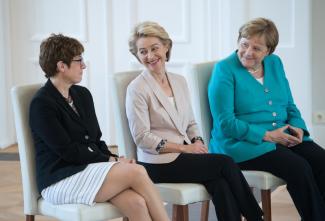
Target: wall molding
(82,36)
(182,38)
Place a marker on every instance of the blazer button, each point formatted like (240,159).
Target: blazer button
(270,102)
(273,124)
(86,137)
(91,150)
(274,114)
(266,90)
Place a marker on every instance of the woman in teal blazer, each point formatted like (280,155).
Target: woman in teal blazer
(256,121)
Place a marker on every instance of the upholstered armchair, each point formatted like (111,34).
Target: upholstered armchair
(200,74)
(34,204)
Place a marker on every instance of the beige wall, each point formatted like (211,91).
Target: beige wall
(318,67)
(202,30)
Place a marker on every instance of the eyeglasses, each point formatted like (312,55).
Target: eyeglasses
(80,60)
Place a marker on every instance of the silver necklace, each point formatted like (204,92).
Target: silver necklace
(254,71)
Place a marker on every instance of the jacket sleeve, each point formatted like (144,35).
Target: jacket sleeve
(221,92)
(137,111)
(47,128)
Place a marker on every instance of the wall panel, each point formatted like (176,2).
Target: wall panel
(200,30)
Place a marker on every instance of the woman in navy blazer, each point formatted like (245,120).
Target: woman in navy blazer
(256,121)
(73,164)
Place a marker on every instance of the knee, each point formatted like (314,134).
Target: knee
(136,203)
(299,170)
(140,170)
(137,171)
(227,161)
(302,167)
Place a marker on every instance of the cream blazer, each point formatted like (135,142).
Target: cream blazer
(152,117)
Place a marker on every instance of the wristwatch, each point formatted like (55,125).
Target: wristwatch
(197,138)
(161,145)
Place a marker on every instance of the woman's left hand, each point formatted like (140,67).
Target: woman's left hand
(296,132)
(196,147)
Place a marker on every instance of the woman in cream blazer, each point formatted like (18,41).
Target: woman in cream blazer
(168,142)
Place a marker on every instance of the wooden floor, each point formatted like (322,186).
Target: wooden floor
(11,203)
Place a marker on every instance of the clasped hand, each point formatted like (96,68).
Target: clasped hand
(288,140)
(197,147)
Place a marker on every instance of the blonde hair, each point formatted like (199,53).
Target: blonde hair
(261,27)
(149,29)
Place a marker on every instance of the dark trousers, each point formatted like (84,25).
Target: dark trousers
(222,178)
(303,169)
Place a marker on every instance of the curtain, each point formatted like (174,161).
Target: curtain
(7,132)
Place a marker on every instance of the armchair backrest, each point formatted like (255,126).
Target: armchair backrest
(126,145)
(201,73)
(21,97)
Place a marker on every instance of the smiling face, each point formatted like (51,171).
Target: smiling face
(151,52)
(252,51)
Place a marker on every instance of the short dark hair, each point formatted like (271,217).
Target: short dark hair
(57,48)
(261,27)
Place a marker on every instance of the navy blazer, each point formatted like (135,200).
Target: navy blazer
(65,142)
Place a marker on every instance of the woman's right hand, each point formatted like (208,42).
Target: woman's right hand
(197,147)
(280,137)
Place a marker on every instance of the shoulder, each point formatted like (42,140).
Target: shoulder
(138,88)
(226,68)
(41,103)
(42,96)
(230,61)
(274,64)
(228,65)
(273,59)
(137,83)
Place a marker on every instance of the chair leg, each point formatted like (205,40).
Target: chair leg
(125,219)
(266,204)
(180,212)
(30,217)
(205,210)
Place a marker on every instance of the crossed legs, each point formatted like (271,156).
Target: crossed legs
(129,188)
(220,175)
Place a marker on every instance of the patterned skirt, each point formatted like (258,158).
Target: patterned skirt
(80,188)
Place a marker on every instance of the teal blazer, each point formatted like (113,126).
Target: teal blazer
(243,109)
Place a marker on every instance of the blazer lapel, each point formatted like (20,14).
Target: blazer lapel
(60,100)
(163,99)
(77,101)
